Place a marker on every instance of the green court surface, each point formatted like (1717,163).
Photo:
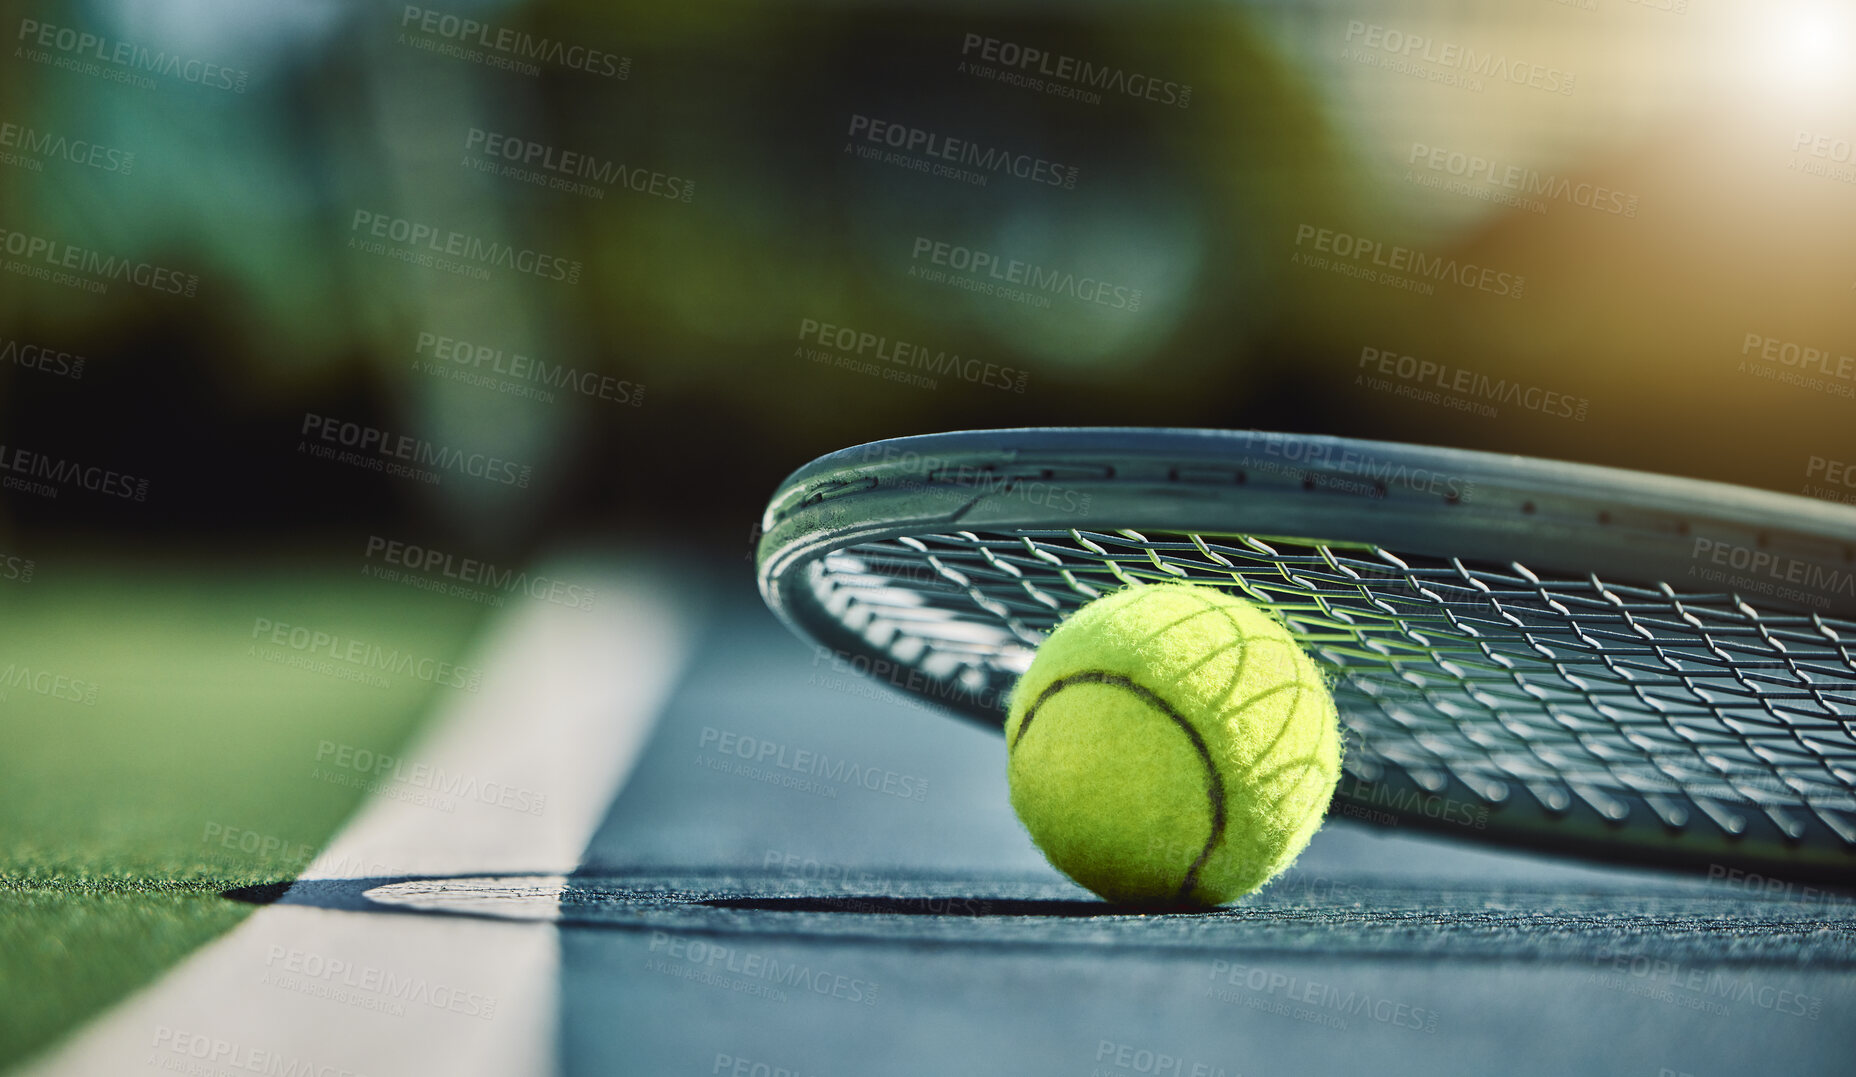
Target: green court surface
(161,741)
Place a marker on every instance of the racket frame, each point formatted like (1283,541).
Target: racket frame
(1575,520)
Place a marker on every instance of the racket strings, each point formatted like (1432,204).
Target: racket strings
(1692,704)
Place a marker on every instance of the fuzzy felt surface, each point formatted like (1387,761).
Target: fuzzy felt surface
(1172,744)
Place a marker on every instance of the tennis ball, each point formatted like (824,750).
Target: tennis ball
(1172,744)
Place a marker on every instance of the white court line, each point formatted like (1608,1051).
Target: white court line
(568,700)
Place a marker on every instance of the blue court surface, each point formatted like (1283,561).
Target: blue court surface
(950,947)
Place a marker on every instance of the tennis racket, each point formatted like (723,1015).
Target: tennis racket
(1606,663)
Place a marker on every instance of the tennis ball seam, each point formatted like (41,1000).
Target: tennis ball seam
(1206,605)
(1214,780)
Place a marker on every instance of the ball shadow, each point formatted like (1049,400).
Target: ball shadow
(944,906)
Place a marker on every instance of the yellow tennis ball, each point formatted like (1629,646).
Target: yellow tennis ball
(1172,744)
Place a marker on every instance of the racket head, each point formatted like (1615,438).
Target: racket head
(1615,664)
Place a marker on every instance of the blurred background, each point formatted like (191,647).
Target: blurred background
(620,246)
(341,318)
